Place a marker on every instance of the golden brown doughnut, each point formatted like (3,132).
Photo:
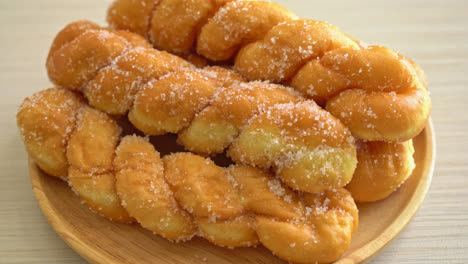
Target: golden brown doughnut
(382,168)
(174,197)
(379,94)
(236,207)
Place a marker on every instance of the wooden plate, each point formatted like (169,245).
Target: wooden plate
(101,241)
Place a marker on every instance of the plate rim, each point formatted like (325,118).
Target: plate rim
(393,231)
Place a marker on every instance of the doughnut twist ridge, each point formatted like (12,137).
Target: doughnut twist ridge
(378,93)
(211,109)
(181,195)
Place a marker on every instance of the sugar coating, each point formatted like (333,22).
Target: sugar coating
(184,179)
(368,113)
(184,195)
(214,108)
(46,121)
(90,152)
(309,150)
(236,24)
(94,172)
(267,42)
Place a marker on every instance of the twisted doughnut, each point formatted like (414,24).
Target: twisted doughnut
(373,90)
(264,124)
(182,194)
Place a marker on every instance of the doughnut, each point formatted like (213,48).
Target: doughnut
(382,167)
(183,195)
(208,108)
(299,168)
(378,93)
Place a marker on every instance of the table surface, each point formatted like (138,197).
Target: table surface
(433,33)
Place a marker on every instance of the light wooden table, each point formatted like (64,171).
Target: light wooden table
(434,33)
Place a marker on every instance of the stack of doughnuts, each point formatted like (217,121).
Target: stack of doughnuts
(312,120)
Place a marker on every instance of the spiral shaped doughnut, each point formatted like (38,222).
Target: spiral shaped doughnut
(376,92)
(182,194)
(239,206)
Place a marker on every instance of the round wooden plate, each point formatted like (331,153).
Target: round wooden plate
(101,241)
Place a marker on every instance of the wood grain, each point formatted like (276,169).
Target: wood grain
(434,33)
